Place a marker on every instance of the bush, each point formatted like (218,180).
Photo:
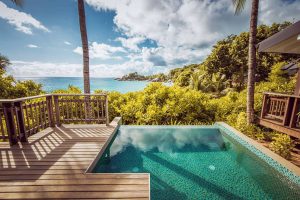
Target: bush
(11,88)
(159,104)
(249,130)
(282,145)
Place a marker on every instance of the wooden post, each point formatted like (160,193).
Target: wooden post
(106,110)
(50,111)
(21,121)
(288,111)
(264,106)
(297,88)
(57,112)
(10,123)
(294,113)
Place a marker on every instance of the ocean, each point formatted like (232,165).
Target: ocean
(107,84)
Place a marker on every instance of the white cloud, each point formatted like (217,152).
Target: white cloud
(279,11)
(173,23)
(67,43)
(184,30)
(21,21)
(32,46)
(101,51)
(41,69)
(131,43)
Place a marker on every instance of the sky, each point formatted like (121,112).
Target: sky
(42,38)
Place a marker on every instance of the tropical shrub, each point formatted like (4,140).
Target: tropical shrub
(10,88)
(159,104)
(282,145)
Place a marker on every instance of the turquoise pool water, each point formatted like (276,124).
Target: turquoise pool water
(194,162)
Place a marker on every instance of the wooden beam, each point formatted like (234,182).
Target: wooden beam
(49,100)
(283,129)
(10,123)
(297,88)
(21,121)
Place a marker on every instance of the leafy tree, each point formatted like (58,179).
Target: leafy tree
(229,57)
(10,88)
(220,60)
(4,62)
(70,90)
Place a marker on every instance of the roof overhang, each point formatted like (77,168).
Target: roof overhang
(285,41)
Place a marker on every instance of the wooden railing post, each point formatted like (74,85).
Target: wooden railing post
(10,123)
(49,100)
(21,121)
(294,113)
(57,112)
(106,110)
(264,106)
(288,111)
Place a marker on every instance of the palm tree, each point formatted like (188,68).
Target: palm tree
(4,62)
(239,6)
(18,2)
(84,40)
(85,47)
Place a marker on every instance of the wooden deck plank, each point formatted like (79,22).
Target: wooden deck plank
(74,195)
(83,188)
(52,166)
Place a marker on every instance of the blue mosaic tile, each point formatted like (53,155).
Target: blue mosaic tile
(276,165)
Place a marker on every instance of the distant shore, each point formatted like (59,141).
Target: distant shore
(132,79)
(137,77)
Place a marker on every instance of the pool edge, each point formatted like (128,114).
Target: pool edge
(116,123)
(291,170)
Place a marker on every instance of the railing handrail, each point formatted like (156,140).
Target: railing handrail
(57,94)
(281,108)
(46,95)
(20,118)
(281,94)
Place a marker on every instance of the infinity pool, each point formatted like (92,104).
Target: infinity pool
(194,162)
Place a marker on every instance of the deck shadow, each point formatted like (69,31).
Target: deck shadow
(44,152)
(196,179)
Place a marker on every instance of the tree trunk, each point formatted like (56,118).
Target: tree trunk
(252,61)
(85,54)
(85,47)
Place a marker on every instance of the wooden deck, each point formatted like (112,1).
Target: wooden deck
(52,166)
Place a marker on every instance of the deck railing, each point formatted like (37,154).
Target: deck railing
(23,117)
(282,109)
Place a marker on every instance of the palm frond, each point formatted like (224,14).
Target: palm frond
(4,62)
(18,2)
(238,6)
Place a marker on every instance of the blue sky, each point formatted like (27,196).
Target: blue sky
(148,36)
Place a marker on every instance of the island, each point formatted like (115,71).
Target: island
(134,76)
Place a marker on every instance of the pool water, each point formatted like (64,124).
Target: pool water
(194,162)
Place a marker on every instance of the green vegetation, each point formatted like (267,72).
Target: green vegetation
(226,66)
(159,104)
(10,88)
(282,145)
(133,77)
(137,77)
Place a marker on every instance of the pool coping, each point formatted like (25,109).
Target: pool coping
(115,123)
(275,157)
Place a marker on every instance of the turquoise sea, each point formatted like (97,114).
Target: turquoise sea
(107,84)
